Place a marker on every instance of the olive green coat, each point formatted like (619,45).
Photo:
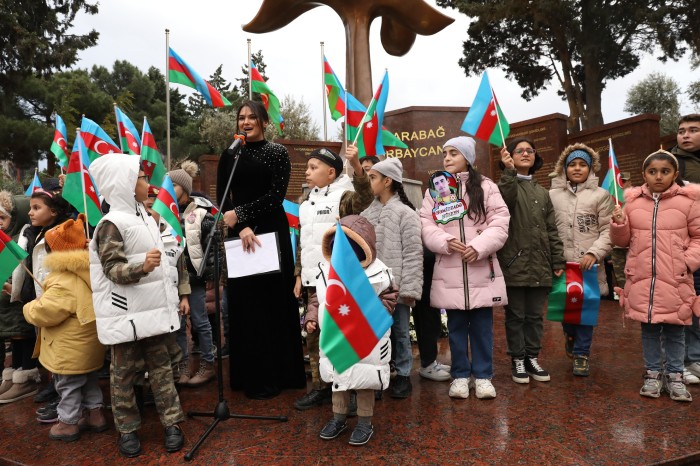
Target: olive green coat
(533,248)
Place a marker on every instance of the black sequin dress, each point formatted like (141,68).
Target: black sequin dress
(264,332)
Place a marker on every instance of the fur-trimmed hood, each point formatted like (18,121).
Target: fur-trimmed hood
(77,262)
(559,168)
(360,233)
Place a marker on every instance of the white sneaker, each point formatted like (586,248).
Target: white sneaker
(689,378)
(483,388)
(436,371)
(459,388)
(694,368)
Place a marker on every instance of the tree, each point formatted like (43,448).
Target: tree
(694,87)
(217,129)
(657,93)
(580,43)
(298,123)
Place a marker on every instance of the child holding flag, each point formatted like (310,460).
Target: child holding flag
(582,211)
(469,304)
(532,252)
(399,246)
(371,372)
(661,225)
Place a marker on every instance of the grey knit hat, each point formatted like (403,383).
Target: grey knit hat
(464,144)
(391,167)
(181,178)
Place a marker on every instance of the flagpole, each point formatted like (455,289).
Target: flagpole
(323,89)
(143,133)
(119,135)
(250,78)
(167,95)
(498,117)
(612,166)
(82,181)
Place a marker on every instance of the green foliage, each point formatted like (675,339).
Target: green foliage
(579,44)
(657,93)
(298,123)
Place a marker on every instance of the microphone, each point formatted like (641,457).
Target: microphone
(238,142)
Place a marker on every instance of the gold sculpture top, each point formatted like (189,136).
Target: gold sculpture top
(401,21)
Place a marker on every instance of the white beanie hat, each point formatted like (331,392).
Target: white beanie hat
(465,145)
(390,167)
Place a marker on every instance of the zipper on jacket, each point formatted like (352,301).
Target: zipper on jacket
(510,262)
(653,258)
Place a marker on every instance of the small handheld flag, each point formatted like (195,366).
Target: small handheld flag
(613,179)
(59,146)
(128,134)
(485,120)
(292,211)
(151,160)
(166,206)
(355,113)
(96,140)
(34,186)
(79,189)
(11,255)
(575,296)
(354,319)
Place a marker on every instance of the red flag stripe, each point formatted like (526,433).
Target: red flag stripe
(574,295)
(488,123)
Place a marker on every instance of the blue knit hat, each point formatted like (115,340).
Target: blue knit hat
(578,154)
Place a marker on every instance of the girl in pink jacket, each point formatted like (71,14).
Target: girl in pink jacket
(661,225)
(485,229)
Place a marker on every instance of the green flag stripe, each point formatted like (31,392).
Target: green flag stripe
(334,344)
(557,299)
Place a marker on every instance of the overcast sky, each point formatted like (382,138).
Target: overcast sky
(208,33)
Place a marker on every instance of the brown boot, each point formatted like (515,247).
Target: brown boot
(93,420)
(24,384)
(203,375)
(65,432)
(183,369)
(6,379)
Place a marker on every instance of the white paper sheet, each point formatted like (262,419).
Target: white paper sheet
(265,259)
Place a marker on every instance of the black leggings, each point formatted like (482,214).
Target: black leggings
(22,353)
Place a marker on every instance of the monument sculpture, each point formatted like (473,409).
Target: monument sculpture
(401,21)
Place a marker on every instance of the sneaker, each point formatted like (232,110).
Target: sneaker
(652,384)
(361,434)
(483,388)
(48,416)
(569,345)
(312,399)
(689,378)
(459,388)
(48,407)
(48,393)
(694,368)
(332,429)
(519,374)
(65,432)
(204,374)
(401,387)
(436,371)
(581,366)
(673,385)
(535,370)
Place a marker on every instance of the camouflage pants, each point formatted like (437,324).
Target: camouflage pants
(127,359)
(619,257)
(312,341)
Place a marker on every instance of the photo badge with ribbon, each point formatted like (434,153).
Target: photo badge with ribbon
(448,205)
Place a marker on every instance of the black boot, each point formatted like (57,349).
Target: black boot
(401,387)
(48,393)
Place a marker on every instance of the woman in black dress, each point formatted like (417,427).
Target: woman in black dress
(264,335)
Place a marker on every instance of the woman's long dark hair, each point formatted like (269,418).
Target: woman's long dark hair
(476,195)
(397,188)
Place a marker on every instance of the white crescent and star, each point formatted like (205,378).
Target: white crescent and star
(338,283)
(97,147)
(574,284)
(58,141)
(173,207)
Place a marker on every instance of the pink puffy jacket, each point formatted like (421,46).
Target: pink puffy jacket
(487,287)
(664,251)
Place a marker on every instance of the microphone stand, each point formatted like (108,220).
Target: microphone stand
(221,411)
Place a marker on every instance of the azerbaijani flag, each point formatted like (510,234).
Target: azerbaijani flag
(292,211)
(34,186)
(270,100)
(166,206)
(10,256)
(59,146)
(575,296)
(128,134)
(485,120)
(181,73)
(334,91)
(80,189)
(96,140)
(151,160)
(354,116)
(354,319)
(612,182)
